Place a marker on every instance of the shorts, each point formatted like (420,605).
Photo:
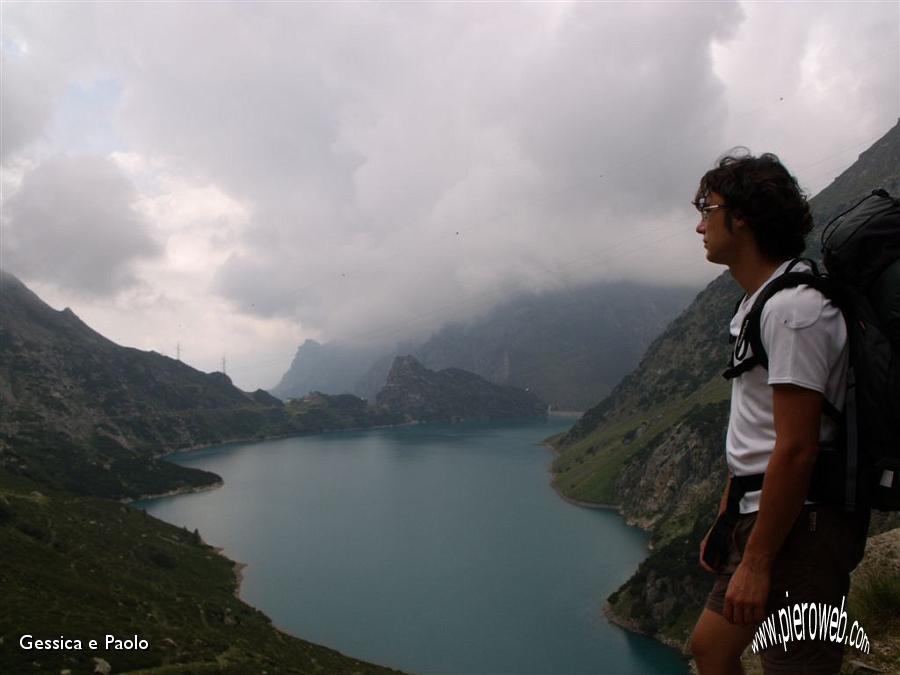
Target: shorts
(813,565)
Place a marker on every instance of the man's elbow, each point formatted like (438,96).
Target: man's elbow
(797,456)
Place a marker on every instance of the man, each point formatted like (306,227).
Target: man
(777,548)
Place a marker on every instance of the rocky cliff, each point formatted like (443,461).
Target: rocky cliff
(331,368)
(451,395)
(569,346)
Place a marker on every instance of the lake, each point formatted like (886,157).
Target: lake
(428,548)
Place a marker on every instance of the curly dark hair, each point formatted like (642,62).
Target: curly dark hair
(762,192)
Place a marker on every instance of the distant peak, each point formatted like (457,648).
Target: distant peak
(408,362)
(9,279)
(220,377)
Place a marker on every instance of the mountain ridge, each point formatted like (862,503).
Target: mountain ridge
(569,346)
(83,413)
(452,394)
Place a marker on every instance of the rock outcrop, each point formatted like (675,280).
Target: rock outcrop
(451,395)
(569,346)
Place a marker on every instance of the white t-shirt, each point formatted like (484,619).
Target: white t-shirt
(806,340)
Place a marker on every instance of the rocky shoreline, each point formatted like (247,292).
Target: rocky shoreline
(632,627)
(187,489)
(608,612)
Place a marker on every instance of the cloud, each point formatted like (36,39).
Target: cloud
(26,97)
(368,170)
(827,87)
(365,138)
(72,222)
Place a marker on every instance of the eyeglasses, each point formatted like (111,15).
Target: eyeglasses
(705,209)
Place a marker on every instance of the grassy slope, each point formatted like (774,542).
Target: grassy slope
(588,469)
(84,567)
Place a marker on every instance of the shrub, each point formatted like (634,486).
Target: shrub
(877,598)
(6,512)
(161,559)
(33,531)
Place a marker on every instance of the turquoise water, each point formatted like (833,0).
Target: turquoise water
(432,549)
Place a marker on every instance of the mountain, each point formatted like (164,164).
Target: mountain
(81,418)
(82,413)
(85,414)
(568,346)
(451,395)
(318,412)
(653,447)
(330,368)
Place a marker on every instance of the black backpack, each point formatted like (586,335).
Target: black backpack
(861,252)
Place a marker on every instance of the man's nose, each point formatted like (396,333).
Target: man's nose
(701,227)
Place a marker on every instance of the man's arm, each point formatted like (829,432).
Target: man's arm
(797,412)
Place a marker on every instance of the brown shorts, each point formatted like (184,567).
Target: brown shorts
(813,565)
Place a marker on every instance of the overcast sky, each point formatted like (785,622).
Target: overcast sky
(238,177)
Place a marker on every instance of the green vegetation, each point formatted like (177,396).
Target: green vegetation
(875,599)
(82,568)
(669,589)
(84,414)
(102,465)
(588,470)
(874,602)
(51,457)
(319,412)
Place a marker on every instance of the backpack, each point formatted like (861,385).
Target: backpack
(861,253)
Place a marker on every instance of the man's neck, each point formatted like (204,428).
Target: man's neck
(752,271)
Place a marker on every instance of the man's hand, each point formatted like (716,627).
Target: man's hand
(745,599)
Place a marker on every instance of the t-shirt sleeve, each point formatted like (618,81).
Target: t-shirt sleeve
(802,333)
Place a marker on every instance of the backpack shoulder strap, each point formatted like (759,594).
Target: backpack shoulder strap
(750,334)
